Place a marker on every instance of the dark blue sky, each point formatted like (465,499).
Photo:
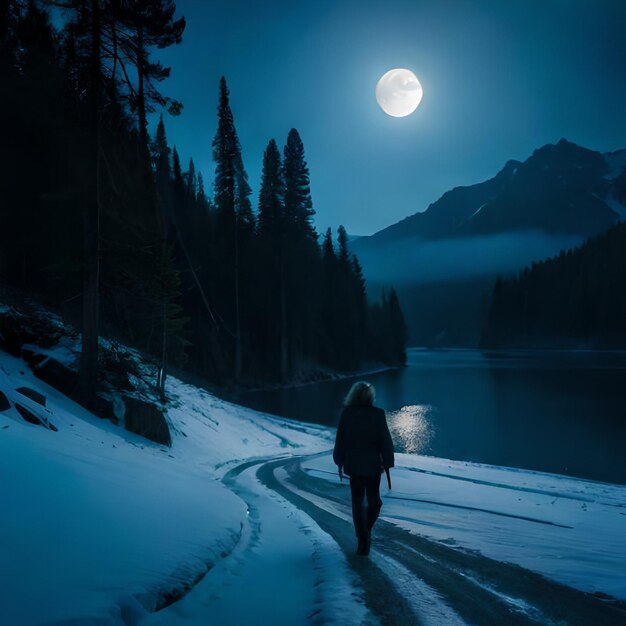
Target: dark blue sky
(500,78)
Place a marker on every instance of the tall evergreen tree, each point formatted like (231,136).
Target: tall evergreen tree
(191,183)
(161,159)
(328,250)
(232,206)
(201,195)
(179,185)
(271,195)
(301,255)
(272,266)
(342,244)
(225,154)
(398,333)
(358,293)
(330,342)
(298,203)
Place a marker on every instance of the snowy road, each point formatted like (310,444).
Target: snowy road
(283,570)
(411,579)
(295,564)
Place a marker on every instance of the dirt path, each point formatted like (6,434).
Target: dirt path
(412,580)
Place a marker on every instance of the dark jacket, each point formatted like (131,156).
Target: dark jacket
(363,445)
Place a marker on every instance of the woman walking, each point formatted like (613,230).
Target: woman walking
(363,450)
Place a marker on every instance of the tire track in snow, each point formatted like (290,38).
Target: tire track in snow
(381,596)
(479,589)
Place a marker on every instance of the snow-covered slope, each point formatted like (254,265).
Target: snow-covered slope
(100,526)
(98,523)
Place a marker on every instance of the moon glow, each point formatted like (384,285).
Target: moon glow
(399,92)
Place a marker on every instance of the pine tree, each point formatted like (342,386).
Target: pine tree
(179,185)
(192,183)
(301,256)
(201,195)
(271,205)
(342,243)
(328,250)
(349,306)
(188,227)
(232,203)
(272,261)
(133,28)
(161,160)
(398,332)
(225,150)
(359,300)
(298,203)
(330,340)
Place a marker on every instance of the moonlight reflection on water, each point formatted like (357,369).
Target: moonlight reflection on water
(410,428)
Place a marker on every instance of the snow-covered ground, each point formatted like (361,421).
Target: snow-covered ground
(99,526)
(570,530)
(96,522)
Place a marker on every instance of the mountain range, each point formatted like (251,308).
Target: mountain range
(444,260)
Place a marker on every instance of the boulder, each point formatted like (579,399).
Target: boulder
(104,408)
(109,406)
(146,419)
(57,375)
(32,355)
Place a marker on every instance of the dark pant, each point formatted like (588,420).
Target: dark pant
(363,517)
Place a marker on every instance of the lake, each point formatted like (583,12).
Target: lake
(553,411)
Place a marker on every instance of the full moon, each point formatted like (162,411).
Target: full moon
(399,92)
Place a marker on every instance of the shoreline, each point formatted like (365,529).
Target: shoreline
(511,349)
(322,376)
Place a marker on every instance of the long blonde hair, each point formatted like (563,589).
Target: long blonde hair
(360,394)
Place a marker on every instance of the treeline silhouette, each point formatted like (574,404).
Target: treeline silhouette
(100,219)
(577,299)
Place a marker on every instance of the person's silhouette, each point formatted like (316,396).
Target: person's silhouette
(363,449)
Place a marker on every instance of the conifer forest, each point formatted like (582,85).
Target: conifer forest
(103,223)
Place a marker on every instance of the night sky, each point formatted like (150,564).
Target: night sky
(500,79)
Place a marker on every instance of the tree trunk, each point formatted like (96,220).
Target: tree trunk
(163,369)
(88,365)
(141,96)
(284,351)
(237,312)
